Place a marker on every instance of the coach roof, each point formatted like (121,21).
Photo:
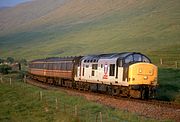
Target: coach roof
(54,59)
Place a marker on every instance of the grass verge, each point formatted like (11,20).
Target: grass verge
(21,102)
(169,87)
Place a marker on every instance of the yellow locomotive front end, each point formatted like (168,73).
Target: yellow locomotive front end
(142,79)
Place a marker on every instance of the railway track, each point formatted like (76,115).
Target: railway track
(153,102)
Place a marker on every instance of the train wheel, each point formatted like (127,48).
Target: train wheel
(146,95)
(86,86)
(143,94)
(115,91)
(109,90)
(124,92)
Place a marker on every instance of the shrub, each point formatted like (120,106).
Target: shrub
(10,60)
(4,69)
(21,74)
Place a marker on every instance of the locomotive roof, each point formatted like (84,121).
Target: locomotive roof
(95,58)
(92,58)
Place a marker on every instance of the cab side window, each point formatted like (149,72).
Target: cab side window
(112,70)
(144,59)
(129,59)
(137,58)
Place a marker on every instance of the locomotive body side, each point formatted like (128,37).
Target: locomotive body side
(103,71)
(132,74)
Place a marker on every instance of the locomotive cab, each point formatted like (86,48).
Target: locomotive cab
(142,79)
(141,76)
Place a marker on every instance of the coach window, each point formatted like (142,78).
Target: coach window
(58,66)
(34,65)
(52,66)
(69,66)
(55,66)
(43,66)
(63,66)
(49,66)
(112,70)
(40,66)
(37,65)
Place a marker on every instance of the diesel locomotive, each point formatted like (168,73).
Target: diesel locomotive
(128,74)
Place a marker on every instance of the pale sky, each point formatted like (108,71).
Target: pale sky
(9,3)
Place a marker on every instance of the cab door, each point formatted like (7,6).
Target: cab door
(125,72)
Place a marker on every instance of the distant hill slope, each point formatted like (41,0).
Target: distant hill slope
(2,8)
(17,16)
(45,28)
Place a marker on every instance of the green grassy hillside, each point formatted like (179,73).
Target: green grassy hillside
(87,27)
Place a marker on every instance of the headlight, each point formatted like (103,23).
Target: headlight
(145,77)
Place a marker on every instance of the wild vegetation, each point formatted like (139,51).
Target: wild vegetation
(31,107)
(169,87)
(10,65)
(4,69)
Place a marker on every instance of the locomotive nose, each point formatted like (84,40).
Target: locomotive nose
(142,74)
